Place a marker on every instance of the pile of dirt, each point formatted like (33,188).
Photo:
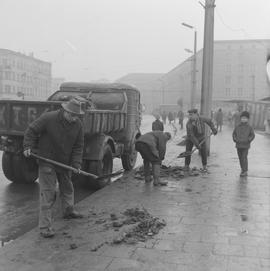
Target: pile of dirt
(175,172)
(144,226)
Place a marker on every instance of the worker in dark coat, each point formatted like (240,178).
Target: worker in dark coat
(181,116)
(157,125)
(152,147)
(219,119)
(196,134)
(58,135)
(164,117)
(243,135)
(170,117)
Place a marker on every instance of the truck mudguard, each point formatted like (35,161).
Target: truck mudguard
(94,146)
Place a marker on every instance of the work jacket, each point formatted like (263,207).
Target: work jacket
(157,125)
(193,132)
(56,138)
(243,134)
(156,141)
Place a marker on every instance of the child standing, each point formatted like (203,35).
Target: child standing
(243,134)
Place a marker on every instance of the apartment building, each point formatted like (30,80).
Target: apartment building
(23,76)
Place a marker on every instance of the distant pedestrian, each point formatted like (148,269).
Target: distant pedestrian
(170,117)
(152,147)
(157,125)
(196,134)
(230,118)
(219,119)
(243,135)
(180,116)
(164,117)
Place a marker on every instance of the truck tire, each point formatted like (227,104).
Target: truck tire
(129,158)
(19,169)
(7,165)
(101,167)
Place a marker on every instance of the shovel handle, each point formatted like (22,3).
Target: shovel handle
(75,170)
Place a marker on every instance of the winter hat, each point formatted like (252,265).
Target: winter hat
(244,114)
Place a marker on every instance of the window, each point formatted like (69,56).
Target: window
(240,79)
(228,92)
(241,67)
(7,88)
(8,75)
(14,89)
(228,79)
(228,67)
(240,92)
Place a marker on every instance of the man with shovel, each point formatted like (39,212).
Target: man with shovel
(196,136)
(59,136)
(152,147)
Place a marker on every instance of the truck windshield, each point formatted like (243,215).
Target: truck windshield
(101,100)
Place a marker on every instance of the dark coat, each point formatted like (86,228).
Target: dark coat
(192,131)
(157,125)
(219,117)
(170,116)
(156,141)
(56,138)
(180,115)
(243,134)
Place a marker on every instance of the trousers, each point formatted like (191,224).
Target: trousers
(48,179)
(203,152)
(242,155)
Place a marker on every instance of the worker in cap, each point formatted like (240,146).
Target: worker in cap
(57,135)
(152,147)
(196,135)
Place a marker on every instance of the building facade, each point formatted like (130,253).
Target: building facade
(23,76)
(239,73)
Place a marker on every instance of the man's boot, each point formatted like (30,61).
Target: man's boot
(70,213)
(156,173)
(147,172)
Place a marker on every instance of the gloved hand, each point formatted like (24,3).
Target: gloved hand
(27,152)
(77,166)
(214,132)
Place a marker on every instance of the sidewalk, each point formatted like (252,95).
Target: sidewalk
(214,222)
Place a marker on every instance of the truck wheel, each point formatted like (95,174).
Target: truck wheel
(129,159)
(7,165)
(19,169)
(101,167)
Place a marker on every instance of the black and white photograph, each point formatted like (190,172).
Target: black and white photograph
(135,135)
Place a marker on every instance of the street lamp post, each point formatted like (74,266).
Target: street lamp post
(194,69)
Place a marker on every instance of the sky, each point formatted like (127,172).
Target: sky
(105,39)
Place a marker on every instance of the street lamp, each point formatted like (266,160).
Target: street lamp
(193,87)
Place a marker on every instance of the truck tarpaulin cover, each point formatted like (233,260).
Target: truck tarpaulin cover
(108,101)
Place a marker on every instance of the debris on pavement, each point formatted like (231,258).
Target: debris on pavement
(73,246)
(175,172)
(145,226)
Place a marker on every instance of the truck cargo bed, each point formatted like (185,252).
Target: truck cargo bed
(15,116)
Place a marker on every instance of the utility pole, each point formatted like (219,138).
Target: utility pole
(207,69)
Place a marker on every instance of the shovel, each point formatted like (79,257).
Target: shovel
(189,153)
(75,170)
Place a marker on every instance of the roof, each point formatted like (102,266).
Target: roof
(7,51)
(140,80)
(96,86)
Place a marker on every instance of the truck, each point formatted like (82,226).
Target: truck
(111,126)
